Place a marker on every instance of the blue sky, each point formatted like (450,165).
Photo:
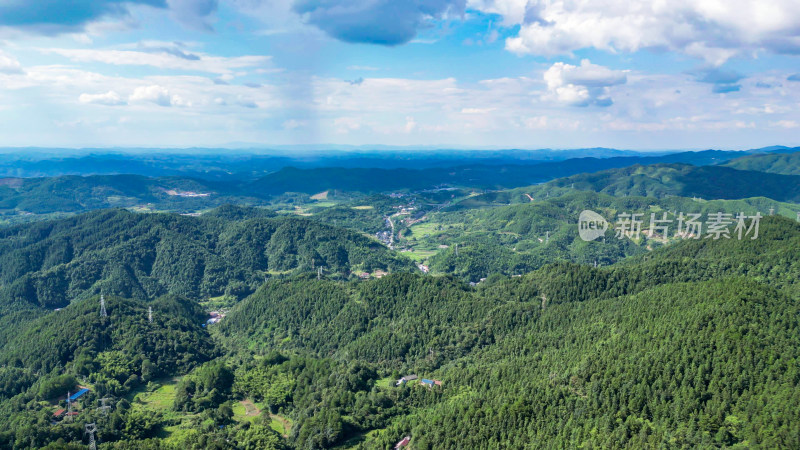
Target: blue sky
(451,73)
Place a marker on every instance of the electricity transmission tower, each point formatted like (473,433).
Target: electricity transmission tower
(104,408)
(103,312)
(69,407)
(150,314)
(91,428)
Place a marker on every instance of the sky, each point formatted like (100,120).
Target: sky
(677,74)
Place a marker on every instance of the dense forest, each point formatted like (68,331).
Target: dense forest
(783,163)
(145,256)
(708,182)
(299,328)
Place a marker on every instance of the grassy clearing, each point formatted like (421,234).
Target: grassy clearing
(424,229)
(385,382)
(363,207)
(320,196)
(160,399)
(280,424)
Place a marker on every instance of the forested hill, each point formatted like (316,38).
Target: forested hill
(787,164)
(693,345)
(110,355)
(675,349)
(71,193)
(147,255)
(708,182)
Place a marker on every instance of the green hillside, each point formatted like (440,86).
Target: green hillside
(786,164)
(708,182)
(522,237)
(693,344)
(144,256)
(676,349)
(111,356)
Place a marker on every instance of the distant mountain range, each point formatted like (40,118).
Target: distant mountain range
(251,164)
(618,175)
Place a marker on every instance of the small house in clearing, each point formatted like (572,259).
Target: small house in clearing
(403,443)
(431,383)
(405,379)
(59,412)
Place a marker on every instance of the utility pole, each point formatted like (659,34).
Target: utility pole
(150,314)
(547,237)
(103,312)
(798,216)
(319,273)
(91,428)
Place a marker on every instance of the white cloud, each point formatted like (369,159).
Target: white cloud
(587,84)
(9,64)
(110,98)
(367,68)
(158,95)
(345,125)
(714,30)
(786,124)
(293,124)
(164,60)
(477,110)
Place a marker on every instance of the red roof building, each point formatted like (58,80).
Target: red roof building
(59,413)
(403,443)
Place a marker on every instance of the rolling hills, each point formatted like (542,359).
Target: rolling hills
(674,348)
(786,163)
(144,256)
(708,182)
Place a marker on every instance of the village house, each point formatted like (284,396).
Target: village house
(405,379)
(431,383)
(403,443)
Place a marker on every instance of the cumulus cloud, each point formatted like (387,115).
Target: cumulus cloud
(110,98)
(61,16)
(384,22)
(158,95)
(584,85)
(712,30)
(9,64)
